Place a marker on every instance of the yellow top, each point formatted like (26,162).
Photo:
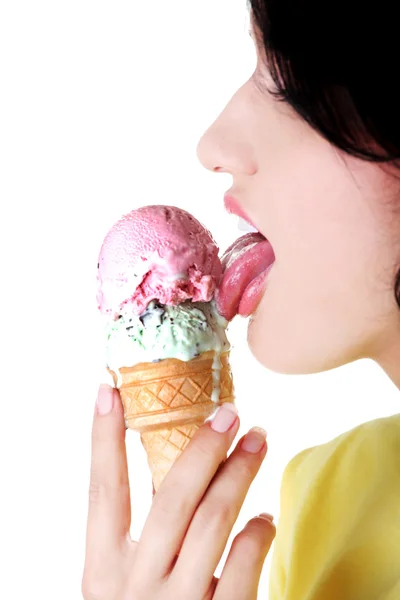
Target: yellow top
(338,535)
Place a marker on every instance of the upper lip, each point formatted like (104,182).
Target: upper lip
(233,207)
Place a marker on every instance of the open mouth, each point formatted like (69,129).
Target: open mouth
(246,264)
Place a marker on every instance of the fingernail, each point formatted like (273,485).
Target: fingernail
(105,399)
(254,440)
(224,418)
(267,516)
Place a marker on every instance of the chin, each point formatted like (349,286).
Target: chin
(286,353)
(272,359)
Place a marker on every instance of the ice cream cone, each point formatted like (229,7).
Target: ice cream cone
(163,446)
(169,400)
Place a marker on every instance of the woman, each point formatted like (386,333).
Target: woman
(312,141)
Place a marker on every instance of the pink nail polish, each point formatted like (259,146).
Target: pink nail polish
(267,516)
(224,418)
(254,440)
(105,399)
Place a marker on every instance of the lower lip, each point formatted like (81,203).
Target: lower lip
(253,294)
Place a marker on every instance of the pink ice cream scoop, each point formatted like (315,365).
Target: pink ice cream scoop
(156,253)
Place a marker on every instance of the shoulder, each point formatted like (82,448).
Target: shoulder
(339,502)
(364,456)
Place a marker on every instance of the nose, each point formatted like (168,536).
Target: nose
(226,146)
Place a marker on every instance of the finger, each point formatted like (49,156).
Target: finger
(211,590)
(109,499)
(182,490)
(241,575)
(212,524)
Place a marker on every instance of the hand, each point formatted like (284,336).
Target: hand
(189,523)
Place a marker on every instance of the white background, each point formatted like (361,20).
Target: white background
(101,107)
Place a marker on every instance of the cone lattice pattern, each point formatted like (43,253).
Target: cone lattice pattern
(168,401)
(163,447)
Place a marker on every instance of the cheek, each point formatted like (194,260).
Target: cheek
(325,296)
(322,227)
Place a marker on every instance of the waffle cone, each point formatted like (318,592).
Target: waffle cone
(168,401)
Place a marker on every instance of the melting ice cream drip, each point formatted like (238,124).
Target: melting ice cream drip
(221,345)
(216,368)
(119,377)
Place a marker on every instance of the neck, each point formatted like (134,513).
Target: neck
(389,359)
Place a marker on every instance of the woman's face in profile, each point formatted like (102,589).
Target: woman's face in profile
(331,220)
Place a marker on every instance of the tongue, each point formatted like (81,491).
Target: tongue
(244,264)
